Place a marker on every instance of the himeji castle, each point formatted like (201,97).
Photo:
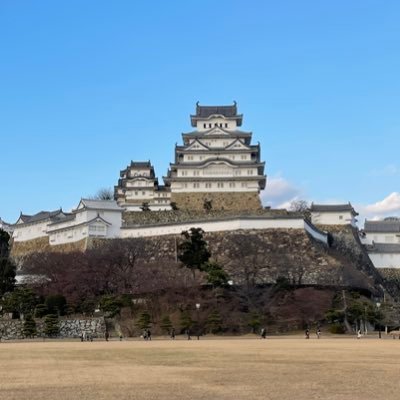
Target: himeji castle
(217,167)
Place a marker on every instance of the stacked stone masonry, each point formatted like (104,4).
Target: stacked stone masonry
(69,328)
(219,201)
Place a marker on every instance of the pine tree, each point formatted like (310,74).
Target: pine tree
(194,250)
(186,321)
(41,311)
(7,267)
(51,327)
(166,324)
(216,275)
(144,320)
(29,329)
(214,322)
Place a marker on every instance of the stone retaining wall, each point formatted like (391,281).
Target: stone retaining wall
(236,201)
(69,328)
(132,218)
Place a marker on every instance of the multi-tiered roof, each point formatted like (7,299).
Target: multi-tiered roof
(217,156)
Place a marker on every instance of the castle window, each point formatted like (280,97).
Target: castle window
(208,185)
(220,125)
(232,184)
(196,185)
(205,125)
(226,125)
(220,184)
(243,157)
(190,157)
(249,172)
(215,124)
(143,193)
(209,125)
(244,184)
(136,193)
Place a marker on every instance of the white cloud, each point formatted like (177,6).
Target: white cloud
(279,193)
(389,206)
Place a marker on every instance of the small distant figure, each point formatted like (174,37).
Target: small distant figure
(318,333)
(81,337)
(106,335)
(188,334)
(359,334)
(307,333)
(173,334)
(263,333)
(148,334)
(91,337)
(120,337)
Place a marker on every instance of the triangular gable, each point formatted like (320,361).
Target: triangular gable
(237,145)
(216,131)
(99,219)
(81,205)
(197,145)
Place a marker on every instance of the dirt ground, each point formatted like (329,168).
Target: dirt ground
(228,368)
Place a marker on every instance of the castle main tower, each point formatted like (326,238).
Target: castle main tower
(217,166)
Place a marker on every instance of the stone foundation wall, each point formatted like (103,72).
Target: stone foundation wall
(69,328)
(132,218)
(39,245)
(237,201)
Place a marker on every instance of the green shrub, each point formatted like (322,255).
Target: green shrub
(29,328)
(337,328)
(51,327)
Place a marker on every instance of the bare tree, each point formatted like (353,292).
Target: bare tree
(300,206)
(103,194)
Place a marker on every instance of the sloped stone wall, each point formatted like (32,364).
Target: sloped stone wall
(69,328)
(21,249)
(236,201)
(132,218)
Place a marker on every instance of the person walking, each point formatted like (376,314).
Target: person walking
(106,335)
(359,334)
(307,333)
(188,334)
(173,334)
(263,333)
(318,332)
(148,334)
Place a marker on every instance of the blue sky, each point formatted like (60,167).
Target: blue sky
(86,86)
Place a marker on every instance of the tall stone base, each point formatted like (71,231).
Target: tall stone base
(233,201)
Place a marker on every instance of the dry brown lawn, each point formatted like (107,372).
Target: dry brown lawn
(276,368)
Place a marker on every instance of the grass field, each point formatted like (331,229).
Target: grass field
(276,368)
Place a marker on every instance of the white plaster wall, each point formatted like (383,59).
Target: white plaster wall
(218,120)
(73,234)
(385,260)
(381,238)
(31,231)
(214,226)
(212,186)
(332,218)
(317,235)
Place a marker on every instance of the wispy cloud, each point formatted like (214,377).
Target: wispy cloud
(389,206)
(279,193)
